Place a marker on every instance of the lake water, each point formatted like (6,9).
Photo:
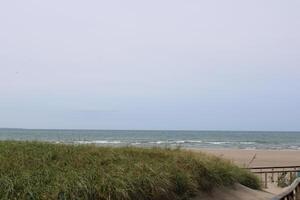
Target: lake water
(187,139)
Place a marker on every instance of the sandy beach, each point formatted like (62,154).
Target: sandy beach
(258,158)
(262,157)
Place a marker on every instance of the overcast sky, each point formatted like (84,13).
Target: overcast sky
(159,64)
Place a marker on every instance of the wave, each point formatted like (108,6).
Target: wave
(174,141)
(230,142)
(294,147)
(190,143)
(247,142)
(217,143)
(136,143)
(98,142)
(194,141)
(158,142)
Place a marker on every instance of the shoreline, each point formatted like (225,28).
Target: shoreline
(256,157)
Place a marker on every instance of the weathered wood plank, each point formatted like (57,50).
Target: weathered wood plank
(290,192)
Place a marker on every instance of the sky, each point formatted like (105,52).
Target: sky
(160,64)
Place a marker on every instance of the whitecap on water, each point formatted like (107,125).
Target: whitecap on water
(98,142)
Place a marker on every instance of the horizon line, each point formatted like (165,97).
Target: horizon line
(191,130)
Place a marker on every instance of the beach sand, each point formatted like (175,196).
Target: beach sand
(256,158)
(271,158)
(238,192)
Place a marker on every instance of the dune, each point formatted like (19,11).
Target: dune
(93,172)
(48,171)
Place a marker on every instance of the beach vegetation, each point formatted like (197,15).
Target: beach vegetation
(35,170)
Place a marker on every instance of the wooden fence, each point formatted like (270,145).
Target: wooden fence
(281,175)
(291,193)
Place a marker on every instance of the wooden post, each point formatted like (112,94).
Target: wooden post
(266,180)
(292,196)
(261,177)
(298,192)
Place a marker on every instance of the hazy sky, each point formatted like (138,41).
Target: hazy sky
(159,64)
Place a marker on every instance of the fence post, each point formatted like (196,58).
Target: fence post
(266,180)
(298,192)
(291,177)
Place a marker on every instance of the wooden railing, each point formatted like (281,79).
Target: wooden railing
(291,193)
(275,174)
(292,172)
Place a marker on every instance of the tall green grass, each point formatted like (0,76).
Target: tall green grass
(33,170)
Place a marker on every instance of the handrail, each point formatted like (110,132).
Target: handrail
(291,191)
(277,167)
(277,171)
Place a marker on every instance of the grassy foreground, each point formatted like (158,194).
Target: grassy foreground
(32,170)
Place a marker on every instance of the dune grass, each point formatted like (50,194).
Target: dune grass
(33,170)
